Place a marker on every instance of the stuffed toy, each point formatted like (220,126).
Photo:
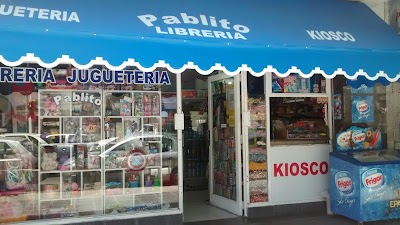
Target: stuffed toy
(49,161)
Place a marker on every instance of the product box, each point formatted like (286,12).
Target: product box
(290,84)
(277,84)
(303,85)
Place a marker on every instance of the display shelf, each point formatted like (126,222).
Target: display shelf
(258,154)
(140,116)
(89,172)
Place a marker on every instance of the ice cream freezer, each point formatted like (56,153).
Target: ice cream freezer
(365,186)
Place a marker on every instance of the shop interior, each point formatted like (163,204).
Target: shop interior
(297,118)
(197,206)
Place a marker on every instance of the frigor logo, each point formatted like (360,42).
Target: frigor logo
(373,178)
(45,14)
(330,35)
(230,32)
(344,182)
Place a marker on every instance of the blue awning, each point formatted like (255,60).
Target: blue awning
(281,36)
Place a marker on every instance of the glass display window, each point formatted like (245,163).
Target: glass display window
(365,117)
(89,149)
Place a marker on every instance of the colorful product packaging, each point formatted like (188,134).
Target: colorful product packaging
(303,85)
(277,84)
(290,84)
(356,138)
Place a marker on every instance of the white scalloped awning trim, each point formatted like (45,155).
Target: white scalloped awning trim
(65,59)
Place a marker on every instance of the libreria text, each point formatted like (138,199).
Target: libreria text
(211,26)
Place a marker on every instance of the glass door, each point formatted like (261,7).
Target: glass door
(225,147)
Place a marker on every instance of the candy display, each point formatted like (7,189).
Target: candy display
(258,174)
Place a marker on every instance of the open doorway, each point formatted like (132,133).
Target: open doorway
(196,164)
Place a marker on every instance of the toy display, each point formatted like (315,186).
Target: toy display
(133,126)
(80,157)
(63,157)
(71,128)
(139,104)
(49,161)
(91,128)
(12,176)
(49,106)
(74,166)
(93,160)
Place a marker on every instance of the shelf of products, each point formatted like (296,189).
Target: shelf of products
(223,140)
(195,145)
(296,119)
(257,132)
(100,160)
(133,124)
(70,164)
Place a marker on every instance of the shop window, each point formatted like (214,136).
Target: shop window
(73,150)
(299,119)
(370,111)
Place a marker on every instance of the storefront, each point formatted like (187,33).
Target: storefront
(92,102)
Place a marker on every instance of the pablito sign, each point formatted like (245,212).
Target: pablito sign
(300,169)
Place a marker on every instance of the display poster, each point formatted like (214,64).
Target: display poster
(362,109)
(363,89)
(337,107)
(357,138)
(393,11)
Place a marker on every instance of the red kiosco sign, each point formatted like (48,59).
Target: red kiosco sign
(300,169)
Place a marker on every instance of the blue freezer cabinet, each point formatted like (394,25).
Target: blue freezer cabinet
(365,186)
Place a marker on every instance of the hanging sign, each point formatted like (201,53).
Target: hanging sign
(95,76)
